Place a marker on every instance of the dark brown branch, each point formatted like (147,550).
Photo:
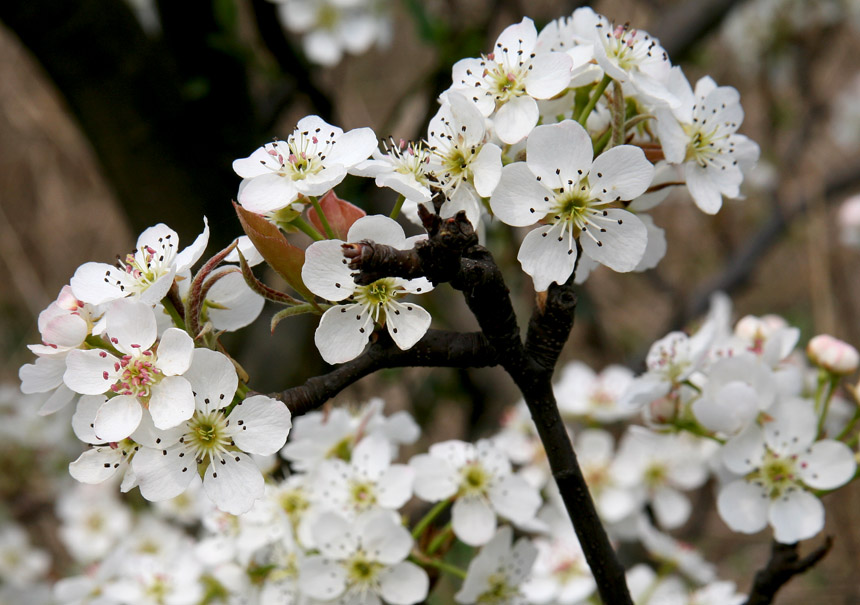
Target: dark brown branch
(784,564)
(451,254)
(437,348)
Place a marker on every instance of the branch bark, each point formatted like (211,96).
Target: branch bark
(784,564)
(451,254)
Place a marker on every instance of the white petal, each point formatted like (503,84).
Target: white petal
(793,427)
(620,173)
(395,486)
(85,416)
(96,465)
(67,330)
(265,424)
(515,119)
(518,36)
(172,402)
(827,465)
(334,536)
(548,255)
(233,483)
(158,289)
(213,378)
(256,164)
(267,193)
(131,325)
(473,520)
(117,418)
(321,579)
(519,199)
(238,305)
(656,248)
(326,272)
(96,283)
(163,474)
(89,372)
(435,479)
(343,333)
(673,139)
(514,499)
(385,541)
(487,169)
(744,452)
(47,373)
(352,147)
(705,193)
(671,507)
(621,246)
(378,228)
(549,75)
(57,401)
(744,507)
(174,351)
(191,254)
(559,153)
(371,457)
(404,584)
(796,516)
(406,322)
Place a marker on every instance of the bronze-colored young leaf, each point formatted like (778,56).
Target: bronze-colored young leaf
(281,255)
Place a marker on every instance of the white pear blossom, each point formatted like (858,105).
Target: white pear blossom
(93,521)
(345,329)
(213,442)
(367,482)
(508,80)
(145,274)
(495,576)
(460,151)
(479,478)
(574,35)
(780,462)
(581,392)
(230,304)
(144,376)
(313,159)
(633,57)
(563,185)
(701,134)
(20,563)
(335,27)
(662,466)
(403,167)
(362,562)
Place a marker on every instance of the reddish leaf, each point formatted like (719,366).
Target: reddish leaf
(340,214)
(281,255)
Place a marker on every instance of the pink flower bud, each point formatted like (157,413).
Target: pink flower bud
(832,354)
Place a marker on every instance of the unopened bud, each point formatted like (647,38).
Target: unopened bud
(832,354)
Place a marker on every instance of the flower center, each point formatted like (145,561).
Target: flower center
(499,590)
(410,159)
(294,503)
(776,474)
(362,494)
(362,571)
(207,435)
(506,82)
(137,374)
(474,479)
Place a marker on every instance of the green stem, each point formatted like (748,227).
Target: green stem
(429,517)
(602,141)
(326,227)
(850,426)
(397,206)
(242,389)
(173,312)
(828,397)
(442,566)
(439,539)
(595,97)
(98,343)
(300,224)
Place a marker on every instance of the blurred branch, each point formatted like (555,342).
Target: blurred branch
(741,265)
(784,564)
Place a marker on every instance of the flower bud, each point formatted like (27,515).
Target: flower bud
(832,354)
(848,220)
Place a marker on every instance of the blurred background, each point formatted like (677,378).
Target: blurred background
(115,116)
